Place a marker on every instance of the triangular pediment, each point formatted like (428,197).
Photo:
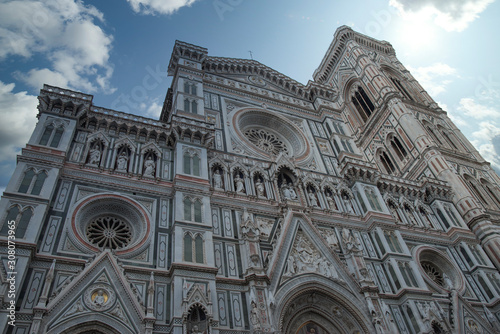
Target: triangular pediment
(304,251)
(99,293)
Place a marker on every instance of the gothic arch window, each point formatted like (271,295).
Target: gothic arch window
(492,192)
(362,103)
(430,130)
(373,199)
(448,138)
(190,106)
(442,218)
(472,183)
(397,147)
(393,242)
(484,285)
(407,273)
(466,256)
(32,182)
(193,209)
(190,88)
(386,162)
(477,255)
(193,248)
(21,219)
(51,136)
(191,162)
(401,88)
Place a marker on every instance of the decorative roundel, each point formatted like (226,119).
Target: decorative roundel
(109,232)
(266,141)
(270,133)
(110,221)
(439,271)
(99,297)
(256,80)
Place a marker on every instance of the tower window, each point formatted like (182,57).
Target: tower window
(398,148)
(32,183)
(193,210)
(191,163)
(193,248)
(362,104)
(21,220)
(401,89)
(386,162)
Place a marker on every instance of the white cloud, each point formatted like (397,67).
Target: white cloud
(484,142)
(63,31)
(434,78)
(452,15)
(158,6)
(472,109)
(18,114)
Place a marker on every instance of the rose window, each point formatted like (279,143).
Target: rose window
(266,141)
(433,273)
(109,232)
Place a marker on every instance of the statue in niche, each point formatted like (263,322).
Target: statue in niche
(448,284)
(293,194)
(240,185)
(121,164)
(100,298)
(95,155)
(286,192)
(312,198)
(410,216)
(347,203)
(259,187)
(195,330)
(217,179)
(150,167)
(331,202)
(254,316)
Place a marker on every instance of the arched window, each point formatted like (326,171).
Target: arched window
(401,89)
(193,248)
(194,107)
(386,162)
(466,256)
(198,245)
(32,182)
(26,183)
(475,189)
(485,286)
(193,210)
(491,191)
(189,88)
(21,220)
(442,218)
(51,136)
(398,147)
(393,242)
(191,163)
(432,133)
(362,103)
(47,133)
(188,248)
(57,137)
(40,179)
(187,105)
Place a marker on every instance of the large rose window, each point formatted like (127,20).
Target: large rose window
(270,134)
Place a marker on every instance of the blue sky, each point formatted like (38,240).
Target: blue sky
(118,50)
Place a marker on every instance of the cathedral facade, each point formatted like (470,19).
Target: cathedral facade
(255,204)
